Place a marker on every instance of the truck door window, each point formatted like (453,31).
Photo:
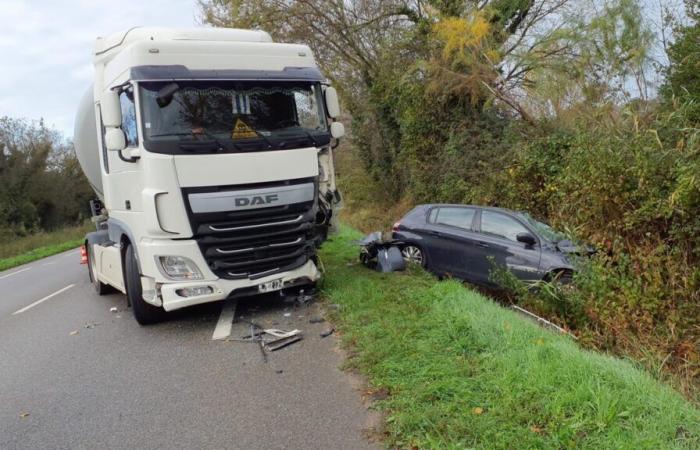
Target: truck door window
(126,99)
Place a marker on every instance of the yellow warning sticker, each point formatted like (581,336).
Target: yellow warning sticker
(241,130)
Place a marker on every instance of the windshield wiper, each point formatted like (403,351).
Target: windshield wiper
(193,144)
(313,139)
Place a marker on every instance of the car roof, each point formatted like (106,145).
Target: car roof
(462,205)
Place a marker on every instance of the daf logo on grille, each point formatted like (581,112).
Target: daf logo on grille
(257,200)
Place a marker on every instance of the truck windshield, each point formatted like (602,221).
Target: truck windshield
(232,116)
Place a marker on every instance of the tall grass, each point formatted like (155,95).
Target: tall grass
(462,372)
(30,248)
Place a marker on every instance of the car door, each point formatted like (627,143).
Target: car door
(450,234)
(497,245)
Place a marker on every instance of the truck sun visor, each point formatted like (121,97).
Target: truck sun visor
(179,72)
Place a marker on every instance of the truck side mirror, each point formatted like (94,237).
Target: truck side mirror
(115,140)
(332,105)
(337,130)
(111,109)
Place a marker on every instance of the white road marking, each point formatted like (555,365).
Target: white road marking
(20,311)
(49,263)
(223,326)
(15,273)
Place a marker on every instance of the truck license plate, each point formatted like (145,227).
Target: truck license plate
(274,285)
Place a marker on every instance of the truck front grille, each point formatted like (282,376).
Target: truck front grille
(255,243)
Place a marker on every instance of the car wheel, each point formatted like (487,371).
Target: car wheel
(563,277)
(99,287)
(144,313)
(412,254)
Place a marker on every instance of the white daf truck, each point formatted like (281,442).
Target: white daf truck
(211,152)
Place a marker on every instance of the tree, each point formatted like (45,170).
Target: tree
(683,73)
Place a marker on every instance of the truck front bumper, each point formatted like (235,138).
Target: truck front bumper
(175,295)
(172,295)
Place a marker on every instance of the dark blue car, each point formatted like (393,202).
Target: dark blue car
(466,241)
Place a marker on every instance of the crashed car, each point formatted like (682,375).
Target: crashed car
(466,241)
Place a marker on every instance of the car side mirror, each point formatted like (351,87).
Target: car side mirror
(526,238)
(337,130)
(115,141)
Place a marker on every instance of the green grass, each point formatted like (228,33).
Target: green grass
(463,372)
(40,245)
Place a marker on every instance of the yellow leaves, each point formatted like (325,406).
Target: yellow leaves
(461,34)
(478,411)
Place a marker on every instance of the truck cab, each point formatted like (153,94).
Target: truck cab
(212,153)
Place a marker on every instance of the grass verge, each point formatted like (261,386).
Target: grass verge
(462,372)
(36,246)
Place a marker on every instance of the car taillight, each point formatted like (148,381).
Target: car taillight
(396,226)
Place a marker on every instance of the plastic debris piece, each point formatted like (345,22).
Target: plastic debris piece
(113,309)
(74,332)
(287,314)
(282,342)
(24,414)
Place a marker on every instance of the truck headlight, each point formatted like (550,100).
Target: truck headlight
(179,268)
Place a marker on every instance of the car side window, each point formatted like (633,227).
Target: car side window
(126,99)
(500,225)
(454,217)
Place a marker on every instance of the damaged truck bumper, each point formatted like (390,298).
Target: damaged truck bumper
(174,296)
(158,290)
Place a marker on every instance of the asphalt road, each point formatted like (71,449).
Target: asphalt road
(75,375)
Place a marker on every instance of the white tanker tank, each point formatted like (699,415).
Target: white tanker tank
(86,143)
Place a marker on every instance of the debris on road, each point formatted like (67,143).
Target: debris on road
(74,332)
(113,309)
(287,314)
(23,414)
(90,325)
(327,333)
(282,342)
(269,339)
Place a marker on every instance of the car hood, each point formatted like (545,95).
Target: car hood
(569,247)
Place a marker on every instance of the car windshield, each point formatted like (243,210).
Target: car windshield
(543,229)
(235,114)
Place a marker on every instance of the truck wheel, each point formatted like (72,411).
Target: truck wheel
(144,313)
(100,287)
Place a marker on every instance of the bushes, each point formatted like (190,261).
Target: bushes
(625,182)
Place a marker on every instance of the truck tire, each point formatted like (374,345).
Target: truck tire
(100,287)
(144,313)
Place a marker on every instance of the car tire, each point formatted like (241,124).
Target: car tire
(99,287)
(412,253)
(144,313)
(563,277)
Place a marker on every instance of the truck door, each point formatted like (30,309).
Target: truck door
(123,176)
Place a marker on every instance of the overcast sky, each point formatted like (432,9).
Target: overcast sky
(46,49)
